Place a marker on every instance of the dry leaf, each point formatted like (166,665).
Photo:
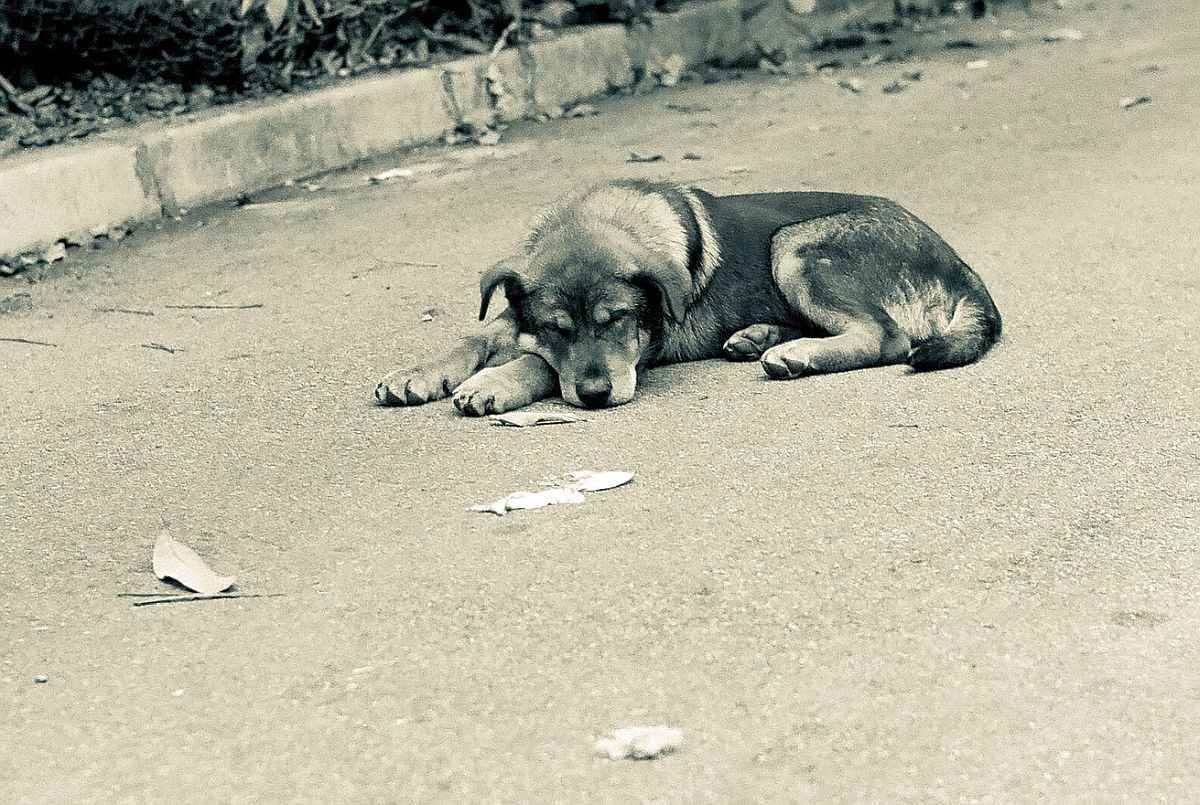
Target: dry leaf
(525,419)
(531,500)
(1064,35)
(176,561)
(672,70)
(640,743)
(1129,103)
(388,175)
(854,85)
(589,481)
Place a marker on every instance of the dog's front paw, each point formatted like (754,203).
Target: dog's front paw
(416,386)
(492,391)
(750,343)
(789,359)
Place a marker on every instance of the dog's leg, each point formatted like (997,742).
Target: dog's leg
(750,343)
(512,385)
(862,344)
(495,341)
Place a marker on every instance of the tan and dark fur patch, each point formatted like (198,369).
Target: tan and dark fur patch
(631,274)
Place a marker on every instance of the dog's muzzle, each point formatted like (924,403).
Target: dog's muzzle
(594,392)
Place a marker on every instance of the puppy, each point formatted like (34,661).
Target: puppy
(630,274)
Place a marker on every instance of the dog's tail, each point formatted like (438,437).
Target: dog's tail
(972,330)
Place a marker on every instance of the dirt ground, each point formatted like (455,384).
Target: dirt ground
(972,586)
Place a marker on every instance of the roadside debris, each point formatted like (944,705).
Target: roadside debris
(978,64)
(854,85)
(388,175)
(430,313)
(559,492)
(176,561)
(55,253)
(640,743)
(592,481)
(636,157)
(41,679)
(27,341)
(1064,35)
(671,71)
(251,306)
(163,348)
(132,311)
(581,110)
(1129,103)
(691,155)
(174,599)
(525,419)
(687,108)
(531,500)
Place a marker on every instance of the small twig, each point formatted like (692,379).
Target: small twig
(28,341)
(12,94)
(178,598)
(504,35)
(139,595)
(903,425)
(164,348)
(215,307)
(125,310)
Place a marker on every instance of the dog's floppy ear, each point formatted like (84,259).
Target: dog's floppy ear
(505,273)
(671,284)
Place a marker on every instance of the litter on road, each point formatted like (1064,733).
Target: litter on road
(526,419)
(640,743)
(531,500)
(388,175)
(176,561)
(560,492)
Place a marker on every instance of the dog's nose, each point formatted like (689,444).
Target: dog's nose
(593,392)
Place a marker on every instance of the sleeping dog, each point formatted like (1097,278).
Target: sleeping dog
(631,274)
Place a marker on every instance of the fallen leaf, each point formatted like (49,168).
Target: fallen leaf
(894,87)
(388,175)
(635,157)
(1128,103)
(1064,35)
(691,155)
(590,481)
(580,110)
(531,500)
(174,560)
(978,64)
(525,419)
(854,85)
(55,253)
(672,70)
(640,743)
(489,137)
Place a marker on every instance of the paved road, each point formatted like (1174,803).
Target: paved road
(978,585)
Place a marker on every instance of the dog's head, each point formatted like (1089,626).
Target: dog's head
(590,300)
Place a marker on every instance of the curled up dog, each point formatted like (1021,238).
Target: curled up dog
(628,275)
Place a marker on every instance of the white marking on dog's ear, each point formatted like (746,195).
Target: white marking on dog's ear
(710,247)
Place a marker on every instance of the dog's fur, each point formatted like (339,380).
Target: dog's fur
(626,275)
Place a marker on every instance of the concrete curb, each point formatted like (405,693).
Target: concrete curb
(154,169)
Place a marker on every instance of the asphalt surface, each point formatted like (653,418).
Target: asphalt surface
(975,585)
